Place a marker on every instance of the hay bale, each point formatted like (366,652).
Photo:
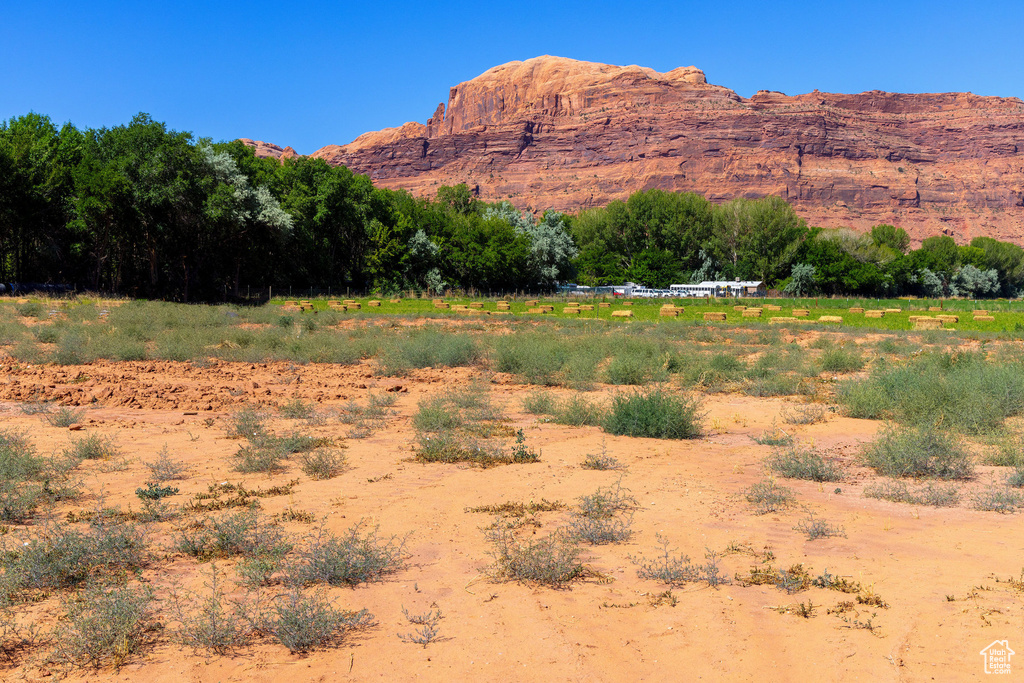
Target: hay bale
(771,307)
(604,304)
(500,312)
(934,309)
(622,314)
(782,319)
(374,303)
(571,310)
(349,301)
(476,304)
(627,303)
(394,301)
(981,311)
(874,314)
(927,323)
(531,302)
(586,307)
(441,304)
(739,308)
(504,306)
(715,316)
(893,310)
(438,301)
(353,306)
(669,313)
(751,313)
(801,312)
(984,318)
(830,319)
(857,310)
(948,318)
(547,309)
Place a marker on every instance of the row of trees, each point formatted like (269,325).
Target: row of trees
(146,211)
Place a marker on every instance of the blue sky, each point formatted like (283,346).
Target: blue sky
(308,74)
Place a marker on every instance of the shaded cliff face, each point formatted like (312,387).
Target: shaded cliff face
(558,133)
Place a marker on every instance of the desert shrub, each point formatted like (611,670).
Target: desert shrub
(600,530)
(1009,452)
(840,359)
(92,447)
(604,516)
(165,469)
(636,365)
(253,459)
(65,417)
(247,534)
(898,492)
(204,622)
(676,569)
(322,463)
(919,452)
(27,480)
(58,556)
(290,442)
(815,528)
(359,555)
(539,403)
(246,423)
(18,458)
(437,414)
(32,309)
(427,623)
(797,462)
(776,436)
(803,414)
(454,446)
(578,411)
(428,348)
(602,461)
(308,621)
(1016,478)
(774,385)
(535,358)
(606,502)
(71,349)
(655,414)
(997,500)
(554,560)
(297,409)
(767,496)
(961,391)
(104,626)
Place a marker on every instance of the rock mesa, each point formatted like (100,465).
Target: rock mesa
(558,133)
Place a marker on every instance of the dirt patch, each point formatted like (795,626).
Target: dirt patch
(935,569)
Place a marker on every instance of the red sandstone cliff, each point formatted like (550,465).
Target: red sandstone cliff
(558,133)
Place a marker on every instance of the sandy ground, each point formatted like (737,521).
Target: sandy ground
(941,572)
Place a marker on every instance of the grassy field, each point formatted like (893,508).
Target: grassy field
(1009,315)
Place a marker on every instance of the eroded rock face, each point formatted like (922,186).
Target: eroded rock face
(558,133)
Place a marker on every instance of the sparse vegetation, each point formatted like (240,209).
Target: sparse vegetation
(655,414)
(800,462)
(360,555)
(104,626)
(553,560)
(767,496)
(816,528)
(898,492)
(922,451)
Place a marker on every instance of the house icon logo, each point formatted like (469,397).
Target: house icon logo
(997,657)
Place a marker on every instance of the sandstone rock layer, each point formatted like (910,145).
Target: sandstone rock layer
(558,133)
